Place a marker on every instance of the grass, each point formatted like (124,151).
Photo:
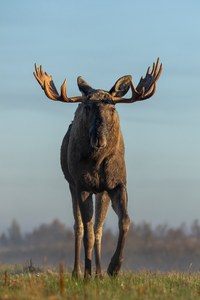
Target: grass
(52,285)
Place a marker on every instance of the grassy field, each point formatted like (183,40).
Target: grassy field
(52,285)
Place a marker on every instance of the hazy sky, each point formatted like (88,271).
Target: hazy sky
(102,41)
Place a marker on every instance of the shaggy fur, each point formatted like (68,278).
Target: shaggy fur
(92,160)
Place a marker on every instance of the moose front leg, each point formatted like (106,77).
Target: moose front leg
(101,208)
(119,200)
(78,233)
(86,208)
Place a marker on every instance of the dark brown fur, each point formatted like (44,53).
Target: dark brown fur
(92,160)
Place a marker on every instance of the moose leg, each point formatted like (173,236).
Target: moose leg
(78,232)
(101,208)
(86,209)
(119,200)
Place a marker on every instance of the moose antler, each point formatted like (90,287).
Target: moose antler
(146,86)
(47,84)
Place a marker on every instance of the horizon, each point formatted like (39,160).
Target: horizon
(101,41)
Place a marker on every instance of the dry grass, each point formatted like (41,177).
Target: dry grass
(15,284)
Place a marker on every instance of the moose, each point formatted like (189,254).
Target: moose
(92,160)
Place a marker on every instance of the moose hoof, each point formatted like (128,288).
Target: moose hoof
(113,269)
(76,274)
(98,276)
(87,276)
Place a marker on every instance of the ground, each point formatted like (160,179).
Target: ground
(21,284)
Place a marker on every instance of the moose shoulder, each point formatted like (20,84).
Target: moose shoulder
(92,160)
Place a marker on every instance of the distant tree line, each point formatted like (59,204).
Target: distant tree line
(160,248)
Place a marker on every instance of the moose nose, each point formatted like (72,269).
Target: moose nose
(98,142)
(101,143)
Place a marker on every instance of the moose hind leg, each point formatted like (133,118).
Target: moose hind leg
(119,200)
(101,208)
(78,233)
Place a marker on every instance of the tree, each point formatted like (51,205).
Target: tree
(14,233)
(196,229)
(3,240)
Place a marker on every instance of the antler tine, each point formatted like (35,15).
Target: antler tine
(47,84)
(146,87)
(37,74)
(159,72)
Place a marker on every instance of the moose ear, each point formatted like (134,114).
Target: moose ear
(121,86)
(83,86)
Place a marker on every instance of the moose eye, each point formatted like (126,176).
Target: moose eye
(113,109)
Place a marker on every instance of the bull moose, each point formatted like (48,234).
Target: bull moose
(92,160)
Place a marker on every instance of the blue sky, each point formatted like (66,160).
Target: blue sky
(102,41)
